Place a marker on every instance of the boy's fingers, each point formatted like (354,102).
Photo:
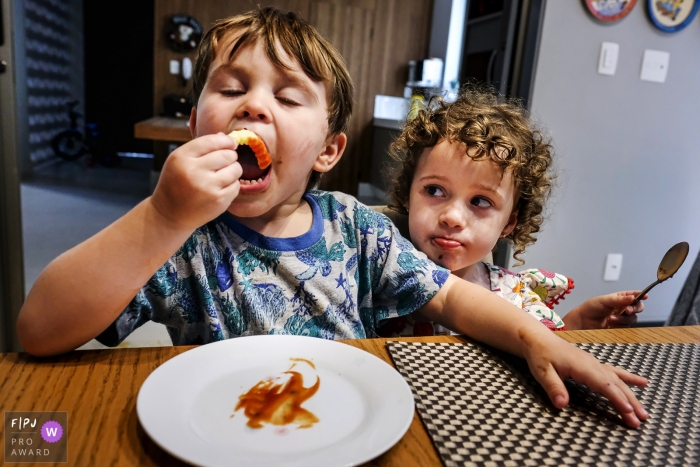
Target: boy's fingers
(639,410)
(607,384)
(218,159)
(231,191)
(548,377)
(229,174)
(203,145)
(630,378)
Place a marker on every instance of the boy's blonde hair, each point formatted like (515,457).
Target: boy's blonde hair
(499,129)
(318,58)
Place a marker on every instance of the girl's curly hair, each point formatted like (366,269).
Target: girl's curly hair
(500,130)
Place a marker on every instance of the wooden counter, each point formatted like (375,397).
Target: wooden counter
(98,389)
(163,129)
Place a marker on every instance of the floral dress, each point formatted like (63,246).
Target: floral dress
(535,291)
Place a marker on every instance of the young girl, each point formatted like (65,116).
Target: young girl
(474,171)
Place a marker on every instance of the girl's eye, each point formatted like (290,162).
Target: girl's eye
(480,202)
(231,92)
(433,190)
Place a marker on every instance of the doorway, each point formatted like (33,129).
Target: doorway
(11,261)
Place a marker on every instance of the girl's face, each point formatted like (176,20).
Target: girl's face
(458,207)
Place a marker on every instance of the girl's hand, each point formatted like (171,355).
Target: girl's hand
(606,311)
(552,360)
(199,181)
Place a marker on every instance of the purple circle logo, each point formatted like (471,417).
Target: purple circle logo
(51,431)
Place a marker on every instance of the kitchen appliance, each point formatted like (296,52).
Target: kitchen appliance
(425,73)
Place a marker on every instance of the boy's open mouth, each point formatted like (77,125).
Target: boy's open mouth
(252,173)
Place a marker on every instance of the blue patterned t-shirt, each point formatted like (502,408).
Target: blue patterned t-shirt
(339,280)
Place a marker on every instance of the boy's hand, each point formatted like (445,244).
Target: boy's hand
(552,360)
(606,311)
(482,315)
(199,181)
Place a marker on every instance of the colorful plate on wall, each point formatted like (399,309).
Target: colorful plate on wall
(610,11)
(672,15)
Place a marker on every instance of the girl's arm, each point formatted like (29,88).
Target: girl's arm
(484,316)
(86,288)
(605,311)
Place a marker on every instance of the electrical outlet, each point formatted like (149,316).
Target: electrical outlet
(613,266)
(655,66)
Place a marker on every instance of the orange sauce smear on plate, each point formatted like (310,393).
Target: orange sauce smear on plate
(279,403)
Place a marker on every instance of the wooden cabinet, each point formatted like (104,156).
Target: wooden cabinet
(377,38)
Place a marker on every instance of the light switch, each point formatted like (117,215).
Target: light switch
(607,63)
(186,68)
(655,66)
(174,67)
(613,266)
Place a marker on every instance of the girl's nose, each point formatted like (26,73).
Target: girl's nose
(253,107)
(452,217)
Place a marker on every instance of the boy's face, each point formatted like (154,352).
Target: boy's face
(459,207)
(286,108)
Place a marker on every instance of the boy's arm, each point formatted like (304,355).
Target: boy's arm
(486,317)
(605,311)
(85,289)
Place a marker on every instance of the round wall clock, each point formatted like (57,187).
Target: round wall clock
(672,15)
(183,33)
(610,11)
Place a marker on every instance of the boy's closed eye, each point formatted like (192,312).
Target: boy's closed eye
(288,101)
(232,92)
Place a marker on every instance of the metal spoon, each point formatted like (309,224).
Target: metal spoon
(671,262)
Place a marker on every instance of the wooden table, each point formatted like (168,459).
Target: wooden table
(98,389)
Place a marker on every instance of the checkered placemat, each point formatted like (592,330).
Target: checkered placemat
(482,407)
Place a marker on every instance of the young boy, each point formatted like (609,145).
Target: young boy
(267,255)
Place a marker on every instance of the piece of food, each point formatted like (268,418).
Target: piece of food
(253,141)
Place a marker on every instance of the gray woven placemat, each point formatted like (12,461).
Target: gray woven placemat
(482,407)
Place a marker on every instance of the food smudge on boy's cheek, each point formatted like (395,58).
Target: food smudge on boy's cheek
(277,400)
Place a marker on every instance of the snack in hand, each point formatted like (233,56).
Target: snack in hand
(255,143)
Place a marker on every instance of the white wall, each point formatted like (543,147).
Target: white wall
(628,151)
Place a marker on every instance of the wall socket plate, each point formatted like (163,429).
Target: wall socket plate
(613,267)
(655,66)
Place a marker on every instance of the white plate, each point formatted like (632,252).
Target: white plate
(363,404)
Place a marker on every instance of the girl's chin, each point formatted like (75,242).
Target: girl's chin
(445,260)
(450,262)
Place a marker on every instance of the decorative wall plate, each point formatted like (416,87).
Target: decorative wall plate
(672,15)
(183,33)
(610,11)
